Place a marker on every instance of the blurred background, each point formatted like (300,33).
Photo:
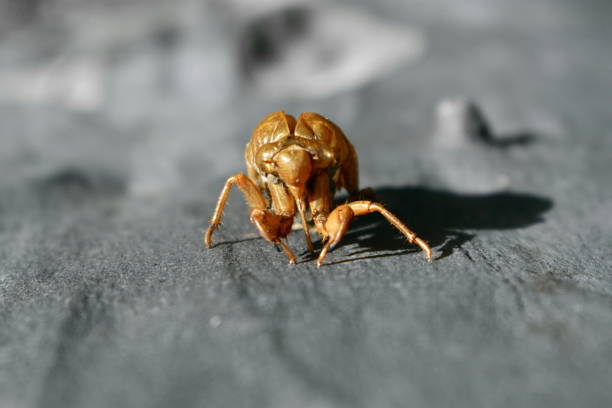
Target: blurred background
(484,124)
(168,91)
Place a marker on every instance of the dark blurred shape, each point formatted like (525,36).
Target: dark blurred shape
(434,209)
(76,184)
(311,50)
(167,37)
(461,121)
(21,11)
(521,138)
(265,37)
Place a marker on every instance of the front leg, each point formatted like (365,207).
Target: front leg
(340,219)
(321,197)
(320,202)
(284,204)
(272,227)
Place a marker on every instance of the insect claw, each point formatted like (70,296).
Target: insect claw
(423,245)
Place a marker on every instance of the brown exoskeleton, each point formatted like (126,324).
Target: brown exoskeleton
(297,166)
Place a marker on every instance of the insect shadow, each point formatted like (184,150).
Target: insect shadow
(446,220)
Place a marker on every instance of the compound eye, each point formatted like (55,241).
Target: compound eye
(324,157)
(265,157)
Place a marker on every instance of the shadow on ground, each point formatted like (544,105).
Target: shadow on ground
(446,220)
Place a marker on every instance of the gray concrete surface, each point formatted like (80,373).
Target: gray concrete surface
(120,122)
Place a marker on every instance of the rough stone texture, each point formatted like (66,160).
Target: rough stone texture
(121,120)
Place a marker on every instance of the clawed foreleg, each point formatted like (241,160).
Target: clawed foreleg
(340,219)
(271,226)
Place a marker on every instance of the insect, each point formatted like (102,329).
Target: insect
(294,167)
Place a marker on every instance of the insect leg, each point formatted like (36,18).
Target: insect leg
(340,219)
(320,202)
(283,203)
(287,250)
(253,196)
